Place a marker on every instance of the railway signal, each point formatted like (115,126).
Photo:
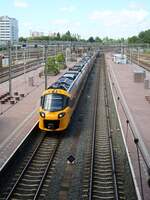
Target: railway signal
(71,159)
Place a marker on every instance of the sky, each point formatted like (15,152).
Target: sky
(112,18)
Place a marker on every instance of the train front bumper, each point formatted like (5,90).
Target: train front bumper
(54,121)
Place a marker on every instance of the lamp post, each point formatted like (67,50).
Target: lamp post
(24,69)
(43,53)
(130,55)
(9,63)
(16,53)
(45,69)
(138,51)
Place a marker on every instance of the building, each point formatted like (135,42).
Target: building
(36,34)
(8,29)
(52,34)
(120,58)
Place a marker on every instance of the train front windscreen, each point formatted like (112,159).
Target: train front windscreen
(54,102)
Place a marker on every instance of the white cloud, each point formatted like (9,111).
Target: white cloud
(120,23)
(63,25)
(20,4)
(123,17)
(68,9)
(61,22)
(136,5)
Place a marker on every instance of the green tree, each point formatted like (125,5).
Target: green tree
(91,39)
(134,39)
(58,36)
(60,60)
(97,39)
(22,39)
(52,66)
(145,36)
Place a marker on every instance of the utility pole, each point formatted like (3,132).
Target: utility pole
(9,63)
(138,51)
(16,53)
(130,55)
(45,69)
(24,67)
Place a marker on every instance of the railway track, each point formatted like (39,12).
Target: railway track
(100,163)
(19,70)
(142,61)
(88,139)
(28,185)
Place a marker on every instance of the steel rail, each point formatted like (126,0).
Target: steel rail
(94,136)
(25,168)
(115,186)
(51,158)
(110,140)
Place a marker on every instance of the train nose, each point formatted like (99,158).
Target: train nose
(51,124)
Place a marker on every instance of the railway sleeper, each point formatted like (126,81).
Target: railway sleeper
(103,162)
(34,173)
(29,185)
(102,171)
(96,197)
(43,153)
(29,181)
(102,157)
(103,179)
(104,193)
(22,195)
(103,175)
(102,148)
(103,188)
(104,167)
(104,153)
(106,184)
(38,162)
(42,156)
(38,167)
(33,177)
(102,140)
(42,196)
(24,190)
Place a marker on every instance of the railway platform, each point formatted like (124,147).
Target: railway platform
(136,97)
(20,114)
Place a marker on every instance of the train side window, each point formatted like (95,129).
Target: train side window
(42,101)
(66,101)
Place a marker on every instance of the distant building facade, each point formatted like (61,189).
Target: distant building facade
(52,34)
(8,29)
(36,34)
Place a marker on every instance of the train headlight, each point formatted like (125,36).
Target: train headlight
(42,114)
(60,115)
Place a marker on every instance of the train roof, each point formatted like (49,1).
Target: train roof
(71,75)
(67,79)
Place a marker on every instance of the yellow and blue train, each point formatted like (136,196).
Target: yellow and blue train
(60,99)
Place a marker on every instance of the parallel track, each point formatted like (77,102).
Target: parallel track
(19,70)
(144,61)
(30,181)
(100,165)
(101,180)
